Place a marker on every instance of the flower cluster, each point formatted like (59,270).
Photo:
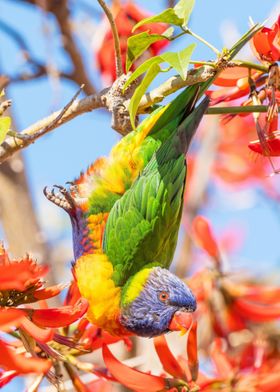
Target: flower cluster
(40,336)
(260,85)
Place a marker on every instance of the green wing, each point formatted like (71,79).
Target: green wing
(142,227)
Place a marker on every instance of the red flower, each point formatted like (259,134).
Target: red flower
(131,378)
(272,142)
(266,43)
(58,317)
(10,360)
(19,275)
(204,236)
(127,16)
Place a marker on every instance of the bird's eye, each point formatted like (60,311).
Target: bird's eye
(163,296)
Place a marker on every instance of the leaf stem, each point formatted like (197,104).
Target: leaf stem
(248,64)
(199,38)
(119,67)
(237,109)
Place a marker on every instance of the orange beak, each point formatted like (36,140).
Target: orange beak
(181,321)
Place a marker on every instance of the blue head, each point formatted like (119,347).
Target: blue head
(162,296)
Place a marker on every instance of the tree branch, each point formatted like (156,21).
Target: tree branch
(40,128)
(173,84)
(111,98)
(119,67)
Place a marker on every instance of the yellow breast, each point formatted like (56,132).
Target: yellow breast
(94,278)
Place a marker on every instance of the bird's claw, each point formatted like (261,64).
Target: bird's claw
(62,198)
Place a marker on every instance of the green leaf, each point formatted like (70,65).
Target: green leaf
(179,60)
(183,10)
(137,44)
(167,16)
(243,40)
(141,69)
(140,91)
(5,123)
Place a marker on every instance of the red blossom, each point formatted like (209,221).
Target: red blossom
(19,275)
(266,43)
(39,334)
(10,360)
(272,142)
(6,377)
(204,236)
(131,378)
(59,317)
(169,362)
(10,318)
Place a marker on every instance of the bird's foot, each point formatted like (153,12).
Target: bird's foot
(62,198)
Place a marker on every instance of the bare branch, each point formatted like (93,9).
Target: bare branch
(37,130)
(119,67)
(111,98)
(61,12)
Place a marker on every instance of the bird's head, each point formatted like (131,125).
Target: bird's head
(154,302)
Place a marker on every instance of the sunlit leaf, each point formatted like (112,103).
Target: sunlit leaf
(179,60)
(142,69)
(137,44)
(5,123)
(140,91)
(183,10)
(167,16)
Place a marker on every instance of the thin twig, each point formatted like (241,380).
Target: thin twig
(37,130)
(119,66)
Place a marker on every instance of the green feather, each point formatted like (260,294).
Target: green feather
(143,225)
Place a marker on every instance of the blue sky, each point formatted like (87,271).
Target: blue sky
(61,155)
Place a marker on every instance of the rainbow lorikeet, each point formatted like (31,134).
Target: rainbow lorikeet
(125,212)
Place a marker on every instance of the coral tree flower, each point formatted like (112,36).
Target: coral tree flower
(266,43)
(126,17)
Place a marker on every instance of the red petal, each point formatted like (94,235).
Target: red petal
(18,275)
(226,94)
(131,378)
(222,364)
(73,294)
(273,145)
(9,360)
(6,377)
(204,236)
(192,351)
(39,334)
(263,294)
(49,292)
(169,363)
(271,382)
(10,318)
(256,312)
(229,76)
(59,317)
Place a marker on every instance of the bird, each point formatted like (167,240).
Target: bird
(125,211)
